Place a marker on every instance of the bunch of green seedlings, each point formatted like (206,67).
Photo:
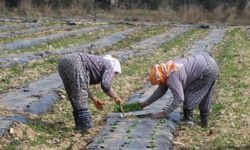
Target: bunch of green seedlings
(129,107)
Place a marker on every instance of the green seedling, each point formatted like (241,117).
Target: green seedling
(153,137)
(100,141)
(128,107)
(129,131)
(151,145)
(113,127)
(130,137)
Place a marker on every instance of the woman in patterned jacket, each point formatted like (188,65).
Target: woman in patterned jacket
(78,71)
(191,80)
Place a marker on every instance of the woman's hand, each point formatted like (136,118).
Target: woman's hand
(118,101)
(98,104)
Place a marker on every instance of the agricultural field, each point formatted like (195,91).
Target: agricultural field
(35,112)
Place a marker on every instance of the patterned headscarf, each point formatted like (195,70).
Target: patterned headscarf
(160,72)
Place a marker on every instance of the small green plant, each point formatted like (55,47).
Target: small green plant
(128,107)
(151,145)
(11,147)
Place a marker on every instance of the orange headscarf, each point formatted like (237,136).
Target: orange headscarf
(160,72)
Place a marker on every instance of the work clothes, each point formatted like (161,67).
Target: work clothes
(191,85)
(78,71)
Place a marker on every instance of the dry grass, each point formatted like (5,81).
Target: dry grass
(189,14)
(25,8)
(139,15)
(2,7)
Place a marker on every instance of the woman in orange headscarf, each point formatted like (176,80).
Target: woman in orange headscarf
(190,79)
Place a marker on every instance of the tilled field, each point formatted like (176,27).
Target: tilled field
(35,112)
